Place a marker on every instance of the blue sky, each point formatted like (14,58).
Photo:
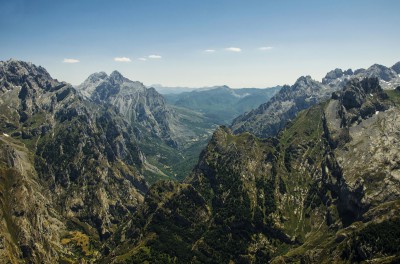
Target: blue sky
(250,43)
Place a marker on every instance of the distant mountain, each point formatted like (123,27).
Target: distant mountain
(171,137)
(270,117)
(396,67)
(164,90)
(222,104)
(172,90)
(139,105)
(388,77)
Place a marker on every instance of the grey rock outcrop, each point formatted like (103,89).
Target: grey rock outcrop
(140,106)
(359,71)
(379,71)
(337,77)
(269,118)
(70,169)
(361,99)
(388,77)
(360,125)
(334,74)
(396,67)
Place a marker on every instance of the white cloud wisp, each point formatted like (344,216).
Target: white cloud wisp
(70,61)
(265,48)
(122,59)
(234,49)
(155,57)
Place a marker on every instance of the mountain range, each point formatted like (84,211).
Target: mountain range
(325,190)
(139,105)
(170,137)
(270,117)
(222,104)
(88,174)
(175,90)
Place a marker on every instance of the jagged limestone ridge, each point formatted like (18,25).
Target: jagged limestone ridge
(139,105)
(269,118)
(72,163)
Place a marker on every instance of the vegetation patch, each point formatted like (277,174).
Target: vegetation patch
(80,244)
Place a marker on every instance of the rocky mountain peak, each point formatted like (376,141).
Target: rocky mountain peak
(360,100)
(381,72)
(15,66)
(358,71)
(334,74)
(348,72)
(305,83)
(15,72)
(388,77)
(117,77)
(67,161)
(300,83)
(140,106)
(396,67)
(304,79)
(269,118)
(99,85)
(97,76)
(356,92)
(337,77)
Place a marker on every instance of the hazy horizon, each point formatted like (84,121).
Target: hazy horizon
(200,44)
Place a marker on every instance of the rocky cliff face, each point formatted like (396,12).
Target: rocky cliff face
(70,169)
(379,71)
(337,77)
(360,123)
(396,67)
(140,106)
(326,189)
(29,229)
(170,137)
(269,118)
(388,77)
